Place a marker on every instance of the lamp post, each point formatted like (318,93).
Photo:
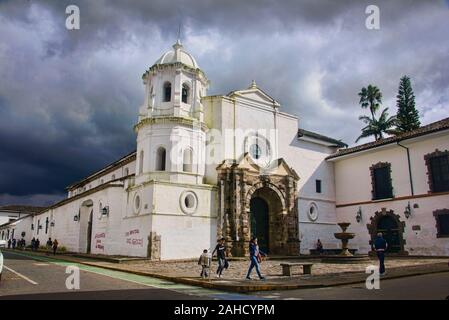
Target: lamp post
(358,216)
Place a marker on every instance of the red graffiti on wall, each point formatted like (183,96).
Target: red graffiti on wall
(99,241)
(134,241)
(131,232)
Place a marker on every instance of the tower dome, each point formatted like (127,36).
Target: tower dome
(178,54)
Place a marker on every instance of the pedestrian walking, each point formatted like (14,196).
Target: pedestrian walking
(37,244)
(49,243)
(255,258)
(319,247)
(220,249)
(205,262)
(9,243)
(33,244)
(55,246)
(14,242)
(380,245)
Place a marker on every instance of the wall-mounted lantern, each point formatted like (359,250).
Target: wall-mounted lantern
(105,211)
(52,224)
(76,217)
(408,211)
(358,216)
(32,226)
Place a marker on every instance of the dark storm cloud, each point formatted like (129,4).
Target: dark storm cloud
(68,99)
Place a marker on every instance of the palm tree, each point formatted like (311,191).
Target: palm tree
(371,98)
(377,127)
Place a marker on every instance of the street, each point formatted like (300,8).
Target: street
(26,277)
(425,287)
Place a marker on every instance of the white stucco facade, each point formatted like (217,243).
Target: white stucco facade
(163,200)
(414,209)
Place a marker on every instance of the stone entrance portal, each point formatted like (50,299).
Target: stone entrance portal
(392,229)
(254,203)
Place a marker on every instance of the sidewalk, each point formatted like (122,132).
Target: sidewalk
(323,274)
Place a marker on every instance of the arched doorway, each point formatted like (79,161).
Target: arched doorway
(260,222)
(390,230)
(85,221)
(266,217)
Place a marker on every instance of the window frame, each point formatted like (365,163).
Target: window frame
(373,168)
(186,87)
(161,159)
(318,186)
(428,160)
(167,85)
(437,214)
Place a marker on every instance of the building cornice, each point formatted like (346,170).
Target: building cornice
(190,122)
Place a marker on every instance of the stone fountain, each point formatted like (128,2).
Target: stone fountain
(345,255)
(344,237)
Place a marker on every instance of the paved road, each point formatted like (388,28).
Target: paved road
(45,278)
(426,287)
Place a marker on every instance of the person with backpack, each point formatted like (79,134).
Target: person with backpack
(204,262)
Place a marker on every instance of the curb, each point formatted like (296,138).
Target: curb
(240,288)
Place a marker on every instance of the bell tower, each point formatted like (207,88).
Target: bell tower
(170,128)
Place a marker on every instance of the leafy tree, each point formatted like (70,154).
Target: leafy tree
(370,97)
(407,115)
(377,127)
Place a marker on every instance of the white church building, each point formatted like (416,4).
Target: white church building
(236,166)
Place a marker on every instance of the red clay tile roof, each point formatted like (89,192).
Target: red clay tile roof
(427,129)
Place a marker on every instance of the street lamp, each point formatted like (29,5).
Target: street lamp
(358,216)
(408,211)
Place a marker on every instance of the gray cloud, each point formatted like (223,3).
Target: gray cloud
(68,99)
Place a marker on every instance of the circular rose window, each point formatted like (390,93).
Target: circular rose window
(313,211)
(137,203)
(188,202)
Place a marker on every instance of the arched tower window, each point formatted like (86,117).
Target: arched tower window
(160,159)
(141,162)
(167,91)
(185,93)
(187,160)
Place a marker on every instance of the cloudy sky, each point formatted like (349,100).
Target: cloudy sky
(69,99)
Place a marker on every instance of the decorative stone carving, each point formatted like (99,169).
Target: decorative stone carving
(154,246)
(238,184)
(374,221)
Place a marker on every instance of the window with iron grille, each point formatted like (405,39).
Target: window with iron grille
(442,222)
(381,181)
(438,170)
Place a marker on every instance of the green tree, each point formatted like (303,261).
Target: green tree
(370,97)
(407,115)
(377,127)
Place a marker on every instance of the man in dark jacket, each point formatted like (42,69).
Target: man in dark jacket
(220,249)
(380,245)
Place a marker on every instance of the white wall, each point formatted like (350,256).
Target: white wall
(353,185)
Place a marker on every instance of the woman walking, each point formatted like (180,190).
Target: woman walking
(255,258)
(55,246)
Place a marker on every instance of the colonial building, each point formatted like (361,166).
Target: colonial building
(236,166)
(398,186)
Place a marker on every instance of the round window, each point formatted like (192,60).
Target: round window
(136,204)
(188,202)
(313,211)
(258,148)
